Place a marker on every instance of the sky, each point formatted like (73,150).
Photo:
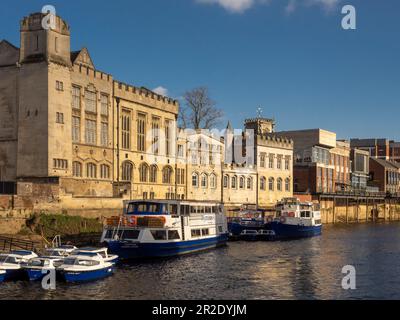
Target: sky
(292,58)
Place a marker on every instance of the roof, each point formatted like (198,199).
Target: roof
(386,164)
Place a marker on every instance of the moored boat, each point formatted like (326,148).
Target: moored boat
(154,229)
(2,275)
(59,252)
(84,269)
(99,252)
(12,263)
(295,220)
(37,268)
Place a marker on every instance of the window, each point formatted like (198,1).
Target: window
(90,101)
(226,182)
(141,132)
(279,163)
(60,164)
(173,235)
(76,129)
(105,171)
(234,182)
(126,129)
(168,137)
(77,169)
(180,151)
(249,183)
(180,176)
(76,98)
(104,134)
(205,232)
(60,117)
(104,104)
(271,184)
(279,184)
(262,160)
(127,170)
(263,183)
(153,174)
(91,170)
(195,180)
(159,234)
(167,175)
(287,163)
(204,181)
(90,131)
(59,86)
(196,233)
(155,135)
(241,183)
(271,161)
(213,181)
(287,185)
(143,172)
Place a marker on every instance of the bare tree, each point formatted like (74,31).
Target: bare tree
(199,110)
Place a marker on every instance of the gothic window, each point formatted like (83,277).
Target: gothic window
(127,170)
(153,174)
(76,129)
(77,169)
(91,170)
(90,131)
(141,132)
(167,175)
(143,172)
(126,129)
(105,171)
(271,184)
(90,101)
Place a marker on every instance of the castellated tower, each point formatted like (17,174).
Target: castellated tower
(44,119)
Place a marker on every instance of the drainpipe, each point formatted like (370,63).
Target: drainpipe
(118,100)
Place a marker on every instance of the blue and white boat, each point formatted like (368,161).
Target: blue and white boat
(97,252)
(84,269)
(36,268)
(166,228)
(245,224)
(2,275)
(12,263)
(60,252)
(295,220)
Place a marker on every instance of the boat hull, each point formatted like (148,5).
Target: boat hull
(86,276)
(14,274)
(135,250)
(35,274)
(286,231)
(2,276)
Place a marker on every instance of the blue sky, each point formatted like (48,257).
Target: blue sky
(289,56)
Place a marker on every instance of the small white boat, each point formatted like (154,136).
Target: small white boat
(84,268)
(36,268)
(12,263)
(97,252)
(59,252)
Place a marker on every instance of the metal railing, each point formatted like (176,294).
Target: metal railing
(9,244)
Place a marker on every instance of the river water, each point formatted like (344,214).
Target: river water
(303,269)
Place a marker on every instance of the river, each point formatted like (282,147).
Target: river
(303,269)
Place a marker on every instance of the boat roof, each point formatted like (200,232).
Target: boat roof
(91,249)
(22,253)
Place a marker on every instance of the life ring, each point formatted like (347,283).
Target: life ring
(282,220)
(132,222)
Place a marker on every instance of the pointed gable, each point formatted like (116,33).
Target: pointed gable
(9,54)
(82,57)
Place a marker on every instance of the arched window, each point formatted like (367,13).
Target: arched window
(213,181)
(104,171)
(143,172)
(204,181)
(287,185)
(263,182)
(234,182)
(242,183)
(167,175)
(271,183)
(77,169)
(226,182)
(195,180)
(127,170)
(153,174)
(91,170)
(249,183)
(279,184)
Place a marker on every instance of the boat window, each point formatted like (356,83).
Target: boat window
(317,221)
(196,233)
(205,232)
(220,229)
(159,234)
(131,234)
(172,209)
(86,254)
(38,263)
(69,261)
(173,235)
(185,210)
(305,214)
(207,209)
(88,262)
(193,209)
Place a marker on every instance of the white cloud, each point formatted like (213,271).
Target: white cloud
(234,6)
(291,6)
(161,90)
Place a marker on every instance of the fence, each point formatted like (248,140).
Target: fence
(9,244)
(8,187)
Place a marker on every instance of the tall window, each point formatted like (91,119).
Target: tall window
(155,135)
(213,181)
(91,170)
(76,129)
(105,171)
(153,174)
(241,183)
(167,175)
(271,184)
(204,181)
(77,169)
(104,105)
(287,163)
(262,160)
(76,98)
(226,182)
(126,129)
(104,134)
(279,184)
(180,176)
(90,131)
(249,183)
(279,162)
(271,161)
(168,137)
(127,170)
(195,180)
(143,172)
(287,185)
(234,182)
(263,182)
(141,132)
(90,101)
(180,151)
